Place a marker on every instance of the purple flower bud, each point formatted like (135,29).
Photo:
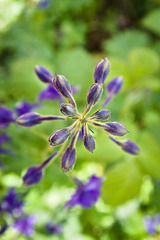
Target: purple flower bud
(68,109)
(88,140)
(6,117)
(63,87)
(113,88)
(94,93)
(24,107)
(68,159)
(43,4)
(116,128)
(43,74)
(101,71)
(101,115)
(69,156)
(127,145)
(29,119)
(130,147)
(33,176)
(59,137)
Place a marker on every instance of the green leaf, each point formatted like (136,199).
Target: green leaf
(143,61)
(123,183)
(149,157)
(151,21)
(123,42)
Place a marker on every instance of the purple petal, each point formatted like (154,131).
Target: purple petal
(24,107)
(101,71)
(50,93)
(25,225)
(54,228)
(33,176)
(6,117)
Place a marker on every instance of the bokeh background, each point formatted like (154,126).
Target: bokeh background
(69,37)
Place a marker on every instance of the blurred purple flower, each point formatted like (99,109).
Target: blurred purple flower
(87,194)
(53,228)
(152,223)
(113,88)
(43,4)
(25,107)
(3,229)
(6,117)
(11,203)
(25,225)
(50,93)
(4,138)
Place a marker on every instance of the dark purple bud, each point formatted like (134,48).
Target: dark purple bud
(127,146)
(33,176)
(43,74)
(88,140)
(68,159)
(68,109)
(116,128)
(63,87)
(54,228)
(50,93)
(94,93)
(101,71)
(59,137)
(101,115)
(6,117)
(29,119)
(130,147)
(113,88)
(3,229)
(24,107)
(69,156)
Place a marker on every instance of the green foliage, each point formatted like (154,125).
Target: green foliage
(125,41)
(151,20)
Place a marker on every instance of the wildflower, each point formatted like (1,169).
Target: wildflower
(87,194)
(53,228)
(25,225)
(82,122)
(152,223)
(11,203)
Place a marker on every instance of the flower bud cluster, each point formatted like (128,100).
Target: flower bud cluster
(81,120)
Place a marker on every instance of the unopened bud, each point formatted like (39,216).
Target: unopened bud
(68,109)
(101,71)
(88,140)
(43,74)
(33,176)
(101,115)
(94,93)
(59,137)
(29,119)
(116,128)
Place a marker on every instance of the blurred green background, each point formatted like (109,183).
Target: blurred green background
(69,37)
